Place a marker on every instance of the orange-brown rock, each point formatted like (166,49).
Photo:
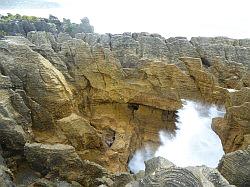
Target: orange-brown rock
(49,95)
(82,96)
(205,81)
(104,110)
(229,74)
(234,128)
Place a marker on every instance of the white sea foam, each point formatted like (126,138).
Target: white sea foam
(232,90)
(194,143)
(137,162)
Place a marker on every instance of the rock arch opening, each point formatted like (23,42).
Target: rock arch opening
(194,142)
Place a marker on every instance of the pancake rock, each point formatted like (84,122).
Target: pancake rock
(76,105)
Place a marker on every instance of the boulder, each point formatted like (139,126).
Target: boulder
(235,167)
(164,173)
(155,164)
(62,161)
(19,40)
(45,158)
(121,179)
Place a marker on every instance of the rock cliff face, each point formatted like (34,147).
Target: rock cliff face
(76,109)
(234,128)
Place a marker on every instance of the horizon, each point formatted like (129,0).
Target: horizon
(192,19)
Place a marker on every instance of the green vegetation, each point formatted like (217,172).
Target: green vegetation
(10,17)
(21,24)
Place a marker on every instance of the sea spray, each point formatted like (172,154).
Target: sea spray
(194,143)
(137,162)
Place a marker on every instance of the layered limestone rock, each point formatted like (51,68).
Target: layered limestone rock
(42,40)
(161,172)
(235,167)
(234,128)
(48,94)
(62,161)
(221,71)
(226,59)
(226,48)
(129,48)
(89,101)
(205,82)
(230,74)
(100,97)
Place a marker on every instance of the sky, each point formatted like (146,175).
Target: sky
(169,18)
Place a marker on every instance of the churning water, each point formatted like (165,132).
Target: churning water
(194,143)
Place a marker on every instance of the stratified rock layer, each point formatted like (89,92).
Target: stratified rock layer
(95,97)
(161,172)
(235,167)
(234,128)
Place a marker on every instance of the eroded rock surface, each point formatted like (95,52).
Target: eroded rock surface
(6,176)
(165,173)
(96,97)
(235,167)
(234,128)
(62,160)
